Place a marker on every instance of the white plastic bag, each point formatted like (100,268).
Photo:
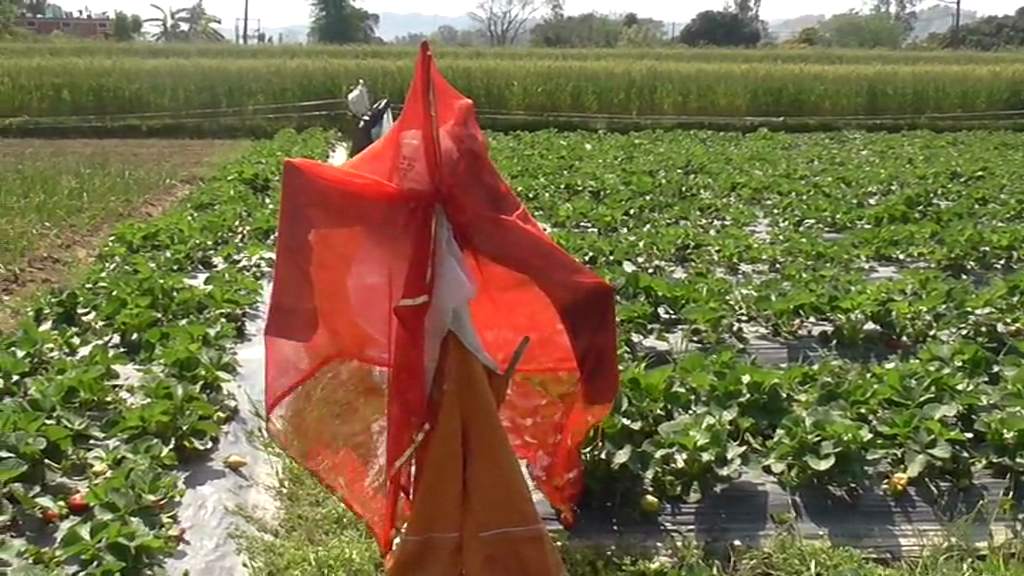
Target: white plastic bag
(359,99)
(386,122)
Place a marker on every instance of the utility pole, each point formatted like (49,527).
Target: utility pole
(956,26)
(955,35)
(245,22)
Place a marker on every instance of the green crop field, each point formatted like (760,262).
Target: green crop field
(888,262)
(900,249)
(364,52)
(48,88)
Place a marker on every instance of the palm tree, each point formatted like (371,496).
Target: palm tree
(168,24)
(185,24)
(200,23)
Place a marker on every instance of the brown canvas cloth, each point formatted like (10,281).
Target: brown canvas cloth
(472,512)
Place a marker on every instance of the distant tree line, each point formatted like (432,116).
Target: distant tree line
(543,23)
(888,24)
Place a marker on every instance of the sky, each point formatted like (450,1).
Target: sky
(275,13)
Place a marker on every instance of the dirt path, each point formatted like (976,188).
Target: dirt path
(154,174)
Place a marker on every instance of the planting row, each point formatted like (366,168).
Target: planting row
(44,88)
(891,260)
(112,384)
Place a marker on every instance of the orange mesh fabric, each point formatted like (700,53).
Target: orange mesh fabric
(346,376)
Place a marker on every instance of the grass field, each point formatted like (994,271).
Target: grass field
(107,87)
(61,198)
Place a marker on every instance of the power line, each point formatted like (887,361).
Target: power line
(646,120)
(154,115)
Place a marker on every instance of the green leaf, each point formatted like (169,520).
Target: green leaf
(821,464)
(11,468)
(942,451)
(935,411)
(735,451)
(673,426)
(916,465)
(622,456)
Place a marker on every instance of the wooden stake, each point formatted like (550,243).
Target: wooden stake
(516,357)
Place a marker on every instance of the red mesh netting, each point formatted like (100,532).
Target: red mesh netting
(346,378)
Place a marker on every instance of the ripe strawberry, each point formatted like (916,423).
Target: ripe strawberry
(895,344)
(77,504)
(50,516)
(566,519)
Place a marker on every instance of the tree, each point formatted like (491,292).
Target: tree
(640,37)
(749,9)
(556,9)
(168,26)
(990,33)
(902,12)
(504,20)
(445,35)
(8,11)
(341,22)
(938,18)
(720,28)
(185,24)
(410,39)
(127,28)
(852,30)
(591,30)
(35,8)
(199,24)
(809,36)
(641,32)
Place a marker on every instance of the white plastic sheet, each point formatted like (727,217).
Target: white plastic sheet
(214,493)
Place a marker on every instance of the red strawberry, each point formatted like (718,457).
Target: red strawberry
(895,344)
(50,516)
(77,504)
(567,519)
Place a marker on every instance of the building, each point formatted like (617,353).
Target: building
(80,24)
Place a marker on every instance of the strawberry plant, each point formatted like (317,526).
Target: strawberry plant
(838,310)
(111,384)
